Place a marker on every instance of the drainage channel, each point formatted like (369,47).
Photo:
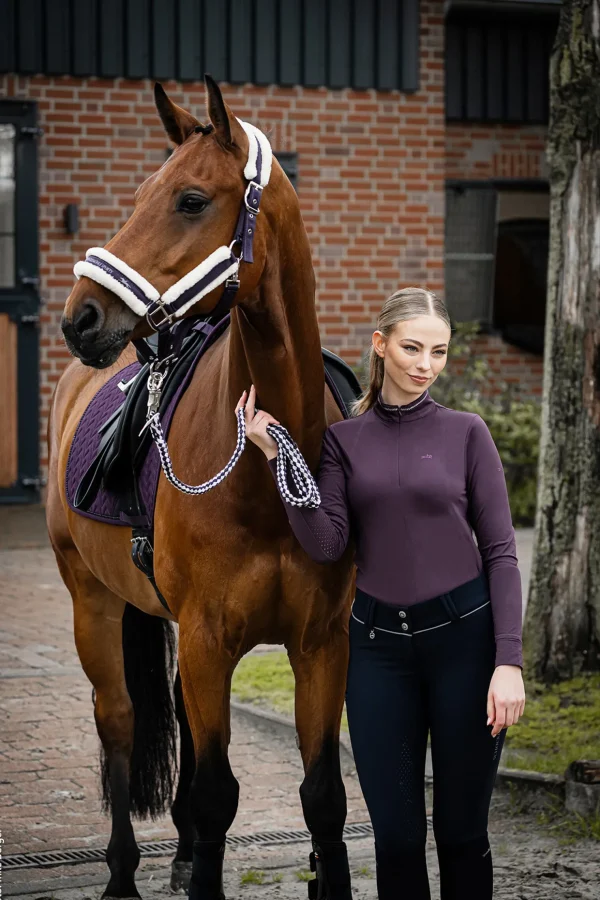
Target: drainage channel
(166,848)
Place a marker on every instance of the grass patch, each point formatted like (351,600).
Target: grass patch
(252,876)
(304,875)
(561,722)
(568,827)
(364,871)
(267,680)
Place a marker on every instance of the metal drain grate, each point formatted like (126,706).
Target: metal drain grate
(165,848)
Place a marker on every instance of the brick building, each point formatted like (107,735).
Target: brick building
(415,132)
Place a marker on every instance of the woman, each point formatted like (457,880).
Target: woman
(435,629)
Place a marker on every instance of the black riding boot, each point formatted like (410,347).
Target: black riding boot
(466,871)
(329,860)
(206,882)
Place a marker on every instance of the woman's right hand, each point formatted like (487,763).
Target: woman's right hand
(256,424)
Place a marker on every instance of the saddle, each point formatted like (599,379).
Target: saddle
(113,467)
(123,445)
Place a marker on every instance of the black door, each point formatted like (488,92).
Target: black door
(19,303)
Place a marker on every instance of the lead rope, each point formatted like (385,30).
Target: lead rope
(288,457)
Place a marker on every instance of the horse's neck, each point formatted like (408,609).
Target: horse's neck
(275,345)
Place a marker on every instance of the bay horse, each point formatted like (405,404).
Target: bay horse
(227,563)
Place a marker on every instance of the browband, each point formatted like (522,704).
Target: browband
(220,266)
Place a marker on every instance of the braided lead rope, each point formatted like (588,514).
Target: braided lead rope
(288,455)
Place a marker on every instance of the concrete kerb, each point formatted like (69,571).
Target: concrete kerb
(533,781)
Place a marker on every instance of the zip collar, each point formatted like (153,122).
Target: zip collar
(388,412)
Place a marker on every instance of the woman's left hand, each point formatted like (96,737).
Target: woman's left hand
(506,698)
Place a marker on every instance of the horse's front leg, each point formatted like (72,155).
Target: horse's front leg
(206,681)
(320,688)
(181,813)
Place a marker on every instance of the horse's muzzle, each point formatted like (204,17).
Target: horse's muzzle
(100,352)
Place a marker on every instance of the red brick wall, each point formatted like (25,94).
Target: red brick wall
(500,151)
(371,182)
(495,151)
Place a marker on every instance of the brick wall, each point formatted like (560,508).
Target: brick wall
(500,151)
(495,151)
(371,182)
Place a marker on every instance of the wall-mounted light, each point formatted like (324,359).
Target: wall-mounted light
(71,218)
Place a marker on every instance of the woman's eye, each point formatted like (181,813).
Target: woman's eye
(410,347)
(192,204)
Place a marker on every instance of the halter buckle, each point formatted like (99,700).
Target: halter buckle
(253,209)
(169,318)
(233,281)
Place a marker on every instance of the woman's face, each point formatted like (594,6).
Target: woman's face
(416,347)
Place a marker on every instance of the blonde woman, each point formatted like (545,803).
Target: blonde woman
(435,629)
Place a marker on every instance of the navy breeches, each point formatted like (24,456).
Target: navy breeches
(415,670)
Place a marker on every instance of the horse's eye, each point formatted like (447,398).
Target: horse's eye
(192,204)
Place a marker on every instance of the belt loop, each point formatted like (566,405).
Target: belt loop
(450,607)
(369,616)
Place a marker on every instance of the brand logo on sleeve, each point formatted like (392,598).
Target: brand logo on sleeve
(427,456)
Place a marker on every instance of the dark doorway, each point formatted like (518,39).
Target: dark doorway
(520,282)
(19,303)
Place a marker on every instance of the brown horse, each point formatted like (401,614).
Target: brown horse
(227,562)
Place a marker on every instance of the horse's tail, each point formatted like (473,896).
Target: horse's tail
(149,653)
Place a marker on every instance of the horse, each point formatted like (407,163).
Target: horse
(227,563)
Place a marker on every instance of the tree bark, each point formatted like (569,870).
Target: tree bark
(562,626)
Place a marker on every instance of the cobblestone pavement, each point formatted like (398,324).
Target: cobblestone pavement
(49,772)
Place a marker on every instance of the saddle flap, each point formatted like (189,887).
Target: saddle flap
(342,381)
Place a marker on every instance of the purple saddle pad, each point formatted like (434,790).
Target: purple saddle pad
(107,505)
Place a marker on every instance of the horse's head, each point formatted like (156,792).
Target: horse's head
(182,213)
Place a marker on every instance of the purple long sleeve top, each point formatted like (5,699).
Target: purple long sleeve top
(411,484)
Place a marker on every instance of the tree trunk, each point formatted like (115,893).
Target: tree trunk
(562,627)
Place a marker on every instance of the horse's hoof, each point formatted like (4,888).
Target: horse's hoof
(135,896)
(132,895)
(181,872)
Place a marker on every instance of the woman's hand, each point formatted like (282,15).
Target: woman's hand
(506,698)
(256,424)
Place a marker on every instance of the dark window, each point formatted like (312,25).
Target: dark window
(7,205)
(289,164)
(470,244)
(497,237)
(497,64)
(338,43)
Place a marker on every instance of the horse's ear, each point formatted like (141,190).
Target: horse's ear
(179,123)
(217,111)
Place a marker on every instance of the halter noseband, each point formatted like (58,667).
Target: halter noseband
(222,265)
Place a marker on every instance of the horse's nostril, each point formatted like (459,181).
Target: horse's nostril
(88,320)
